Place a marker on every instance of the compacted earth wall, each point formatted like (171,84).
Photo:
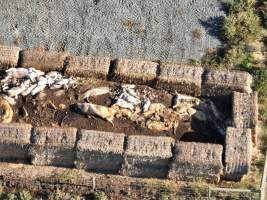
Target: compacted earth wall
(137,155)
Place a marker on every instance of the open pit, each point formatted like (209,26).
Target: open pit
(56,108)
(128,117)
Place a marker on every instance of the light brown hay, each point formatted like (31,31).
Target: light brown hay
(100,151)
(223,82)
(53,146)
(88,67)
(9,56)
(194,161)
(15,133)
(245,112)
(238,152)
(135,71)
(147,156)
(14,142)
(43,60)
(180,78)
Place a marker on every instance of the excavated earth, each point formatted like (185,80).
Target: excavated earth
(56,108)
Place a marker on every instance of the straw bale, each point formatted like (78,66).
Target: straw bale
(180,78)
(53,146)
(43,60)
(88,67)
(9,56)
(245,110)
(14,141)
(135,71)
(238,152)
(194,161)
(16,133)
(100,151)
(222,83)
(147,156)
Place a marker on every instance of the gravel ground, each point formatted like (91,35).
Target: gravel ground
(169,30)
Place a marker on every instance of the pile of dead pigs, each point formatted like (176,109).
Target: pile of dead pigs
(127,101)
(142,156)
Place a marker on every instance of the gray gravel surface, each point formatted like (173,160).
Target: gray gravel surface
(143,29)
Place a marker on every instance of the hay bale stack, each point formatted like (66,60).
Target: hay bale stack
(147,156)
(100,151)
(9,56)
(53,146)
(43,60)
(194,161)
(245,111)
(180,78)
(222,83)
(238,152)
(88,67)
(14,142)
(135,71)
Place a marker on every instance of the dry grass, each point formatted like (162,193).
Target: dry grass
(129,23)
(65,177)
(197,33)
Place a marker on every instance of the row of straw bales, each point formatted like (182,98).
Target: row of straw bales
(191,80)
(241,136)
(110,153)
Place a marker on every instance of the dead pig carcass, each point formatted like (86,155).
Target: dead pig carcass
(6,111)
(106,113)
